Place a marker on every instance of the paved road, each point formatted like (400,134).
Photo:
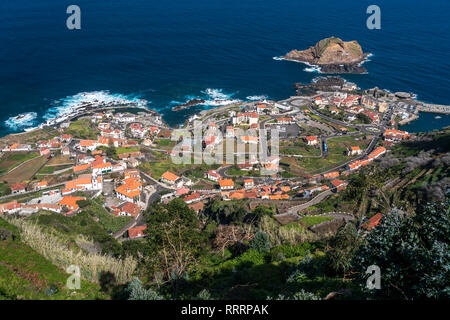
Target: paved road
(321,196)
(32,191)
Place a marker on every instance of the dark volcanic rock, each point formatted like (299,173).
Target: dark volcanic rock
(190,103)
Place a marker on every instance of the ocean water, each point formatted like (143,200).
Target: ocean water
(166,52)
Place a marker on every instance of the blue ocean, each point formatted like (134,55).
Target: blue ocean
(166,52)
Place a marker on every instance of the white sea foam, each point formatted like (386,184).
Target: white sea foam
(256,98)
(65,107)
(217,98)
(22,120)
(216,94)
(313,69)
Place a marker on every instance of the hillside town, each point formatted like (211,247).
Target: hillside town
(324,139)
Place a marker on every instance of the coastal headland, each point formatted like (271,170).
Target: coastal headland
(333,56)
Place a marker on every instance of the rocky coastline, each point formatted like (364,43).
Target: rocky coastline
(332,56)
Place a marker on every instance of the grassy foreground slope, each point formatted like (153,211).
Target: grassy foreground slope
(25,274)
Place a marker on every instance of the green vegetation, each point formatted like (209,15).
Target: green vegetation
(25,274)
(83,129)
(11,160)
(311,221)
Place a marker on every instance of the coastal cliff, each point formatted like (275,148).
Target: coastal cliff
(332,55)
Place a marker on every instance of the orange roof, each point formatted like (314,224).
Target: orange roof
(70,201)
(311,138)
(81,167)
(333,174)
(131,209)
(18,186)
(77,183)
(170,176)
(248,181)
(337,182)
(355,148)
(285,189)
(373,222)
(375,153)
(395,132)
(102,165)
(87,143)
(136,231)
(42,183)
(192,196)
(226,183)
(130,189)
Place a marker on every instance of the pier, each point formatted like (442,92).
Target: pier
(434,108)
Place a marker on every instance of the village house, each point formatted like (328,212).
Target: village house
(137,232)
(262,108)
(70,202)
(112,133)
(18,188)
(137,130)
(130,190)
(284,120)
(352,151)
(170,178)
(101,168)
(85,182)
(249,183)
(193,197)
(86,145)
(40,185)
(226,184)
(213,175)
(128,209)
(331,175)
(10,207)
(312,140)
(393,135)
(245,118)
(378,152)
(339,184)
(372,222)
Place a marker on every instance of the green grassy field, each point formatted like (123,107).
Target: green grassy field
(125,150)
(83,129)
(13,159)
(25,274)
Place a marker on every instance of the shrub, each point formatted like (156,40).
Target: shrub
(136,291)
(260,242)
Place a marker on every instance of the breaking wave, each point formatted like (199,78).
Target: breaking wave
(70,105)
(21,121)
(256,98)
